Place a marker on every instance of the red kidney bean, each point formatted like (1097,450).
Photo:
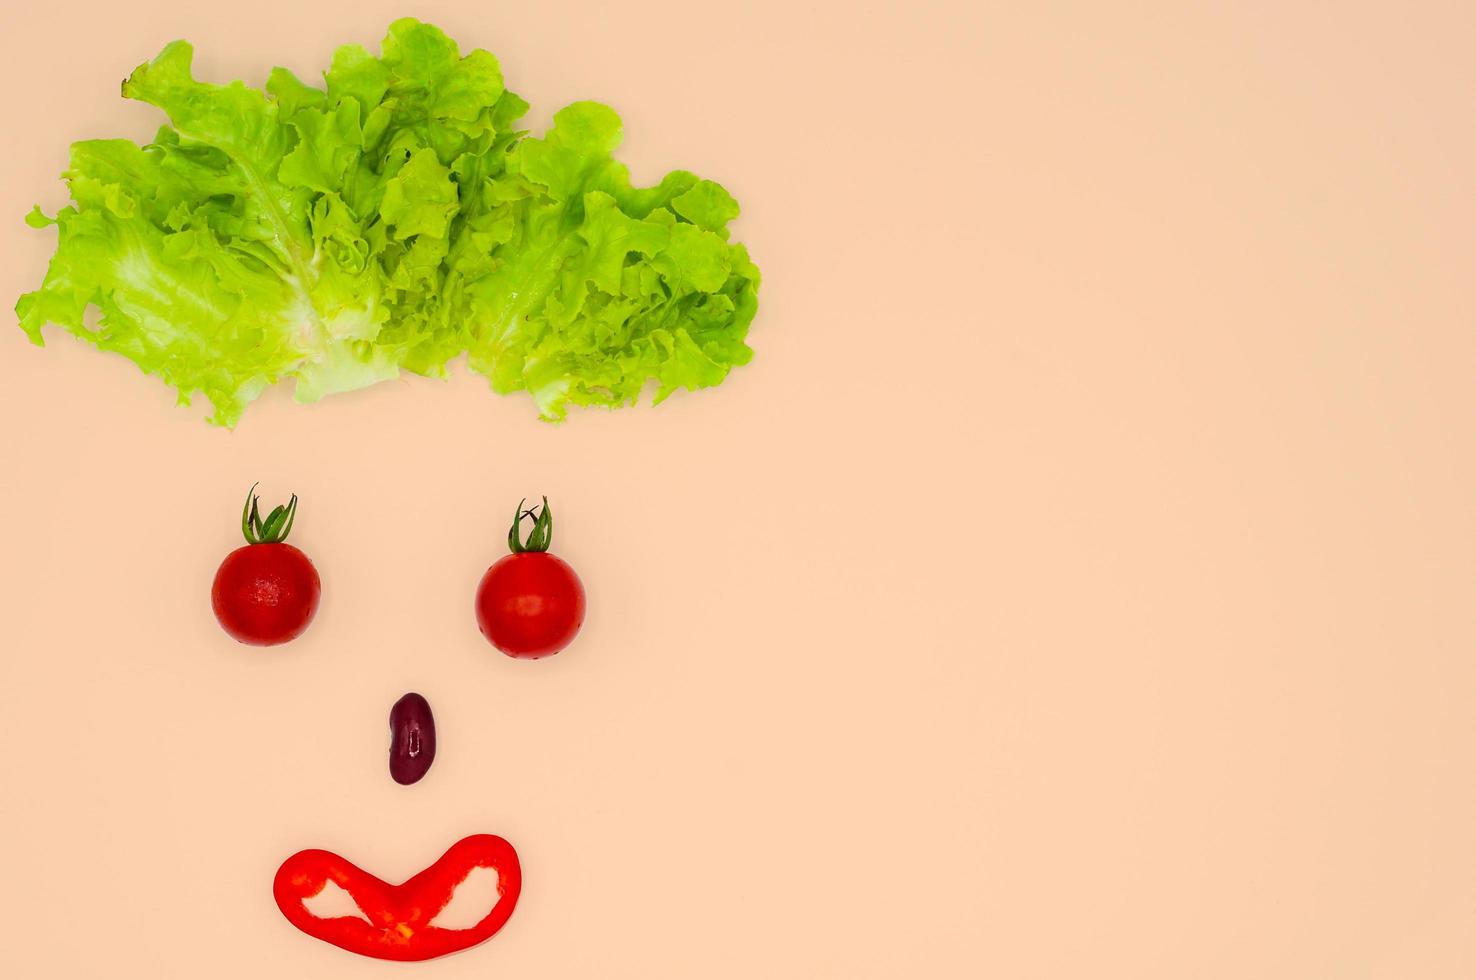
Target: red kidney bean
(412,739)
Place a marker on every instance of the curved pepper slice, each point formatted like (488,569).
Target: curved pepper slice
(399,917)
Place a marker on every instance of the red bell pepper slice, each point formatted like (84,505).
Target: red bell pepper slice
(399,916)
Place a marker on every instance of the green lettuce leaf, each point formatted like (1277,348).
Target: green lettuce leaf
(594,288)
(392,219)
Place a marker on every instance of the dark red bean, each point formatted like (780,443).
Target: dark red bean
(412,739)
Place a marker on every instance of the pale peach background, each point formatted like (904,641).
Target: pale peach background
(1077,585)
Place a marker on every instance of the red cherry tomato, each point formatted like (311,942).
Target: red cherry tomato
(530,604)
(266,592)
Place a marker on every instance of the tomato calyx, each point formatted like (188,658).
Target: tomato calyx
(542,534)
(272,530)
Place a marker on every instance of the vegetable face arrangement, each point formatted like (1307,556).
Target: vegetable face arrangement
(529,604)
(394,218)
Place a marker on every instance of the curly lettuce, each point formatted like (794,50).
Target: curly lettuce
(392,219)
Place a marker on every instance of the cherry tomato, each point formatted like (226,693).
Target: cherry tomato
(530,604)
(266,592)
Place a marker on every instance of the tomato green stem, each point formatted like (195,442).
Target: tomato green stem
(542,534)
(275,528)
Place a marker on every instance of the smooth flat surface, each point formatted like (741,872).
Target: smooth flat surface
(1077,585)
